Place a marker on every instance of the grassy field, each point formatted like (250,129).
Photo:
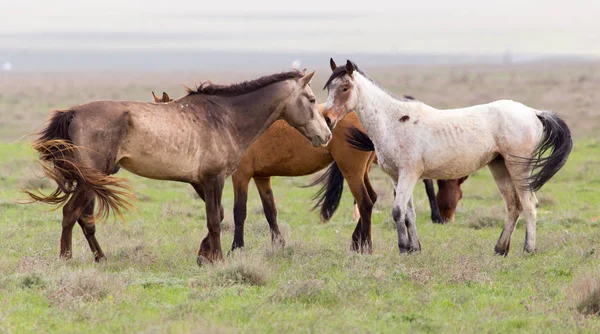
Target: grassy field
(151,283)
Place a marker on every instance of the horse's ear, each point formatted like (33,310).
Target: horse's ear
(463,179)
(166,98)
(332,64)
(156,99)
(349,67)
(306,79)
(304,71)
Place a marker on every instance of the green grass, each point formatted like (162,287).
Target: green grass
(150,281)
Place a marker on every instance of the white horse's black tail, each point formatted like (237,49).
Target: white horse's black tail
(359,140)
(556,141)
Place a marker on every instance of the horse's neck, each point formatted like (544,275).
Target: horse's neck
(254,112)
(378,111)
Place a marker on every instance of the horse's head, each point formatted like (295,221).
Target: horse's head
(164,99)
(342,93)
(300,111)
(448,195)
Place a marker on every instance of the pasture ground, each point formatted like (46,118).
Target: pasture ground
(151,283)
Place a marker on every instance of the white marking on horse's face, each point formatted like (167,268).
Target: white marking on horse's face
(341,99)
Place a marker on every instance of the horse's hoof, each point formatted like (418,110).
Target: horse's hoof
(235,247)
(404,250)
(500,251)
(529,249)
(202,260)
(278,242)
(437,220)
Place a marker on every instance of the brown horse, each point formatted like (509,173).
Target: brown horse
(282,151)
(198,139)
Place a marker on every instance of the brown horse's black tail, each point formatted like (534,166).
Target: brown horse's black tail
(59,163)
(556,140)
(330,195)
(359,140)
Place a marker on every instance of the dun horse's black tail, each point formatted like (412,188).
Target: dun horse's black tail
(330,195)
(556,141)
(359,140)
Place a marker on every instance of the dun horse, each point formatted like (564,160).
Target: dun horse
(282,151)
(198,139)
(414,141)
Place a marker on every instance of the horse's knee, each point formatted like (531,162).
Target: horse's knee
(397,214)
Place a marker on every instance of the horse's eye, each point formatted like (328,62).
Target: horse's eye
(312,100)
(345,89)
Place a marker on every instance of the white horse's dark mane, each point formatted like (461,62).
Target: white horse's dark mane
(341,71)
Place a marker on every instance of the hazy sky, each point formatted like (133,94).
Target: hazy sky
(457,26)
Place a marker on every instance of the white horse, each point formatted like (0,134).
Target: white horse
(415,141)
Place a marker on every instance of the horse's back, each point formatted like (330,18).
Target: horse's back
(283,151)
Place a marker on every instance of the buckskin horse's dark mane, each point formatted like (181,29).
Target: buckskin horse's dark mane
(208,88)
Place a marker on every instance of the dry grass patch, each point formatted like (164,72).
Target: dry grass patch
(308,291)
(468,271)
(584,293)
(485,218)
(85,285)
(241,268)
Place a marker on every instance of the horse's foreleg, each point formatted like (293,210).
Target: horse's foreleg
(411,225)
(210,248)
(263,184)
(240,193)
(511,200)
(435,211)
(200,191)
(408,241)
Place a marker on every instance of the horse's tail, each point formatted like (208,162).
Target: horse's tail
(329,196)
(59,163)
(556,140)
(359,140)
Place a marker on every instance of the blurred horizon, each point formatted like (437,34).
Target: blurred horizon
(71,34)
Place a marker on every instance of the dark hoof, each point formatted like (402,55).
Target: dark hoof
(404,250)
(236,246)
(278,242)
(500,251)
(202,260)
(65,257)
(366,250)
(437,220)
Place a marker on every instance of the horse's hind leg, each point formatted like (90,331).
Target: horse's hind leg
(528,203)
(240,194)
(88,226)
(511,199)
(263,184)
(71,212)
(361,238)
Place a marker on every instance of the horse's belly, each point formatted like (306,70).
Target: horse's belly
(175,167)
(456,166)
